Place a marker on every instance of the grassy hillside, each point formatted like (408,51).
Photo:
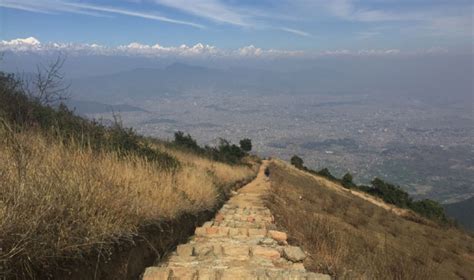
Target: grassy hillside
(353,235)
(463,212)
(71,188)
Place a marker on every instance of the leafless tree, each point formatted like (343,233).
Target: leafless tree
(47,85)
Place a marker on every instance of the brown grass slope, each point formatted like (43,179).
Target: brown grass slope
(62,202)
(355,237)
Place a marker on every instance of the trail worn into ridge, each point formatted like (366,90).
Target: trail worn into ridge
(239,243)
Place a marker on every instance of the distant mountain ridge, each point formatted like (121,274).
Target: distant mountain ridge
(347,77)
(174,79)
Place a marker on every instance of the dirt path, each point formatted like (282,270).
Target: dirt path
(239,243)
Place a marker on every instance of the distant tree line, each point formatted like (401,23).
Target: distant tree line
(224,152)
(386,191)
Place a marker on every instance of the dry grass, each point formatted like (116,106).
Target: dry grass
(227,174)
(353,238)
(62,202)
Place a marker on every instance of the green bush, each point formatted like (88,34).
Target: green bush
(228,152)
(224,152)
(246,145)
(347,181)
(186,141)
(297,162)
(325,173)
(390,193)
(430,209)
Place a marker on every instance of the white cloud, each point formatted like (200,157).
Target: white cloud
(58,6)
(30,41)
(379,52)
(210,9)
(365,35)
(33,45)
(133,14)
(296,31)
(158,50)
(250,51)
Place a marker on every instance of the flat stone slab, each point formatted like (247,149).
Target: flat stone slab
(294,254)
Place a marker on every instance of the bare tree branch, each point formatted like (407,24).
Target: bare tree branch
(47,86)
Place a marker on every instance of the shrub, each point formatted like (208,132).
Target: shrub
(347,181)
(325,173)
(186,141)
(430,209)
(246,145)
(297,162)
(228,152)
(224,152)
(390,193)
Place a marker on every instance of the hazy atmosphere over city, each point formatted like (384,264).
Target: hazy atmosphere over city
(377,88)
(236,139)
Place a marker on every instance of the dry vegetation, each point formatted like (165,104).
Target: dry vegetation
(60,201)
(352,238)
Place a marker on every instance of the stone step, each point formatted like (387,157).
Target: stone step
(241,242)
(210,230)
(220,273)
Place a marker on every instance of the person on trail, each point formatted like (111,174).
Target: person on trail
(267,172)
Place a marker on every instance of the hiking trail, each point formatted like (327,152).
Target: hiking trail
(241,242)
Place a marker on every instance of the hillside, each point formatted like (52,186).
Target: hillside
(82,200)
(463,212)
(352,235)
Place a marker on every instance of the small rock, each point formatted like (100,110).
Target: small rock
(219,218)
(298,266)
(294,254)
(277,235)
(207,224)
(185,250)
(267,241)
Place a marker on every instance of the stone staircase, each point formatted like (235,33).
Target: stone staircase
(239,243)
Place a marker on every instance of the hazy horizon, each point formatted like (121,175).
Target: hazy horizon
(378,88)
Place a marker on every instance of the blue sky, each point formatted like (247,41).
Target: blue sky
(231,24)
